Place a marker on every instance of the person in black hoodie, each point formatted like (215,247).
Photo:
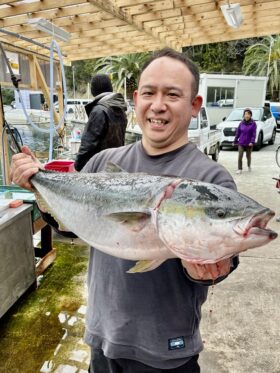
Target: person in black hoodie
(107,121)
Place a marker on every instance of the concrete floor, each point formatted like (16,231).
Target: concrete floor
(240,324)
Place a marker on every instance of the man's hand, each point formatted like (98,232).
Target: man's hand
(207,271)
(23,166)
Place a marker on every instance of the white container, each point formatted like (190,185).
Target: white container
(74,145)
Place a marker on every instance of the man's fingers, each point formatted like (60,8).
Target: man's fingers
(25,149)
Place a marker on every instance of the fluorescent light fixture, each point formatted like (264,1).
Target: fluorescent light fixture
(232,14)
(48,27)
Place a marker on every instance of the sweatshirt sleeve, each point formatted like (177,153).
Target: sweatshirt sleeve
(94,132)
(254,130)
(237,134)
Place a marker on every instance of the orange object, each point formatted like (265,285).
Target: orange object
(16,203)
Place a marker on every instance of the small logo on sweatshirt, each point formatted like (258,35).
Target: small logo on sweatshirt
(176,343)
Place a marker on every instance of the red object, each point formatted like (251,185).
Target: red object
(61,166)
(16,203)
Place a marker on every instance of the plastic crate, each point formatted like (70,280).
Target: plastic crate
(61,166)
(16,192)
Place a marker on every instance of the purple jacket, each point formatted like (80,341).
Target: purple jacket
(246,133)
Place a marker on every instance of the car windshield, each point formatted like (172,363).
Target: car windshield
(237,115)
(193,124)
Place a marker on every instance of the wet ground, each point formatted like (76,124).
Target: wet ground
(43,332)
(240,327)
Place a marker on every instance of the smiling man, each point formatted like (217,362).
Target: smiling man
(149,322)
(164,104)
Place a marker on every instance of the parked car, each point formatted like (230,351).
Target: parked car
(275,110)
(226,102)
(266,126)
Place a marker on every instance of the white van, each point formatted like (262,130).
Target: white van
(73,104)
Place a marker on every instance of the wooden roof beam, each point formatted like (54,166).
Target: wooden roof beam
(108,6)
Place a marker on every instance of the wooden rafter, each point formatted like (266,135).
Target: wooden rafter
(112,27)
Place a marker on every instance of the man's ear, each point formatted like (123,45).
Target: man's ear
(196,105)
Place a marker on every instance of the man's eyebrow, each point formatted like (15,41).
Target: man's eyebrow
(168,88)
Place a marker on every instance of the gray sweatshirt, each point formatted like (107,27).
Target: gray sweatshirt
(151,317)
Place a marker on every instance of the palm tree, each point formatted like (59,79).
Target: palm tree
(263,59)
(125,70)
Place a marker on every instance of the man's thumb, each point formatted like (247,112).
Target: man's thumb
(25,149)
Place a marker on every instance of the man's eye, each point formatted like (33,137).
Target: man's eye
(173,94)
(146,93)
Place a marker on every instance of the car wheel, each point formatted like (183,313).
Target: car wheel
(272,140)
(215,156)
(259,142)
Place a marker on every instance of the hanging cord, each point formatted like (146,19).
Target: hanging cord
(16,81)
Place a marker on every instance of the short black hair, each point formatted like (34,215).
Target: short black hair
(179,56)
(100,83)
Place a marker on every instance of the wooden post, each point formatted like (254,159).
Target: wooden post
(44,87)
(4,153)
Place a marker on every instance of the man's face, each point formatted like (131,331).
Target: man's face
(164,105)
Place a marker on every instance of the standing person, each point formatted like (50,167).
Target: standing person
(245,138)
(106,121)
(149,322)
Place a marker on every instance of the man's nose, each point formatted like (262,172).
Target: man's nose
(158,103)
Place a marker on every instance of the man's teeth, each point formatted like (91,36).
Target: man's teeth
(157,121)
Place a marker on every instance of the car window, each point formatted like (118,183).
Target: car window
(237,115)
(193,124)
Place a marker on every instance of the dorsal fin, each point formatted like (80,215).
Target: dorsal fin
(112,167)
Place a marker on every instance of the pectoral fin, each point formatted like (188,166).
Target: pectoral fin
(134,221)
(146,265)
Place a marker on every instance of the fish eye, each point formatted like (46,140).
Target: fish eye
(220,213)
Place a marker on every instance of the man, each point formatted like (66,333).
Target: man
(149,322)
(106,121)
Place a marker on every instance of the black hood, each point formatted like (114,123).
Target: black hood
(109,100)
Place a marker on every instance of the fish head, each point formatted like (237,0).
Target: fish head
(205,223)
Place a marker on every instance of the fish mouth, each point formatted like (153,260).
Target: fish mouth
(257,225)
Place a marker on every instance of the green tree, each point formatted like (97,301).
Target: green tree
(263,59)
(83,71)
(7,96)
(124,69)
(226,57)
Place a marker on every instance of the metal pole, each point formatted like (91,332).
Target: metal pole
(125,88)
(269,56)
(18,36)
(73,76)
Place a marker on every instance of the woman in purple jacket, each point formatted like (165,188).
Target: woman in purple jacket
(245,138)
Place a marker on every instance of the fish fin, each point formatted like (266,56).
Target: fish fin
(145,265)
(134,221)
(112,167)
(44,207)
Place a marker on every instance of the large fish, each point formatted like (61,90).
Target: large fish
(150,218)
